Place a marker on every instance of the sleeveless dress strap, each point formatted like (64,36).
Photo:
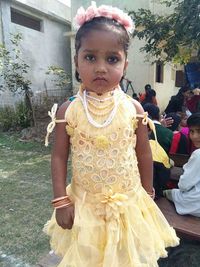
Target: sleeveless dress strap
(52,124)
(146,120)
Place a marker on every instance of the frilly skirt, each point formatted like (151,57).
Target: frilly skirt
(112,230)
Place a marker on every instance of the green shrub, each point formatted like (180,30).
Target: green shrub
(23,116)
(7,118)
(13,118)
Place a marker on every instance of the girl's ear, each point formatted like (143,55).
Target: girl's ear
(76,61)
(125,65)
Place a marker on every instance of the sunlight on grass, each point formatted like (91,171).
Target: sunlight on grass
(25,194)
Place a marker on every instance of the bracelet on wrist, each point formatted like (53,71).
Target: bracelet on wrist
(64,206)
(59,198)
(61,202)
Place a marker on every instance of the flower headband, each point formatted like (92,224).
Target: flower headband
(93,11)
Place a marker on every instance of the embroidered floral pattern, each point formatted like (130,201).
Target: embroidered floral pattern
(135,123)
(101,141)
(104,157)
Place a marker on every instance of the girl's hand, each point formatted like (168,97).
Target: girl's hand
(196,91)
(65,217)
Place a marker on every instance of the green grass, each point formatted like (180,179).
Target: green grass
(25,194)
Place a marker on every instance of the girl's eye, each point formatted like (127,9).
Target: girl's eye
(90,57)
(112,59)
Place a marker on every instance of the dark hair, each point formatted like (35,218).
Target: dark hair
(102,23)
(194,120)
(149,96)
(177,101)
(147,87)
(153,111)
(176,120)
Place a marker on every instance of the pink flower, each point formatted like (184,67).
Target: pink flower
(105,11)
(80,17)
(127,23)
(117,14)
(91,12)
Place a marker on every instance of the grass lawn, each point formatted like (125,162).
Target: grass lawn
(25,194)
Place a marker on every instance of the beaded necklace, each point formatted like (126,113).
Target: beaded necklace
(110,116)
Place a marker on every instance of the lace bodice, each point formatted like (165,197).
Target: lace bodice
(104,158)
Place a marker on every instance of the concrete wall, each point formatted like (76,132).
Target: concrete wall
(40,48)
(139,71)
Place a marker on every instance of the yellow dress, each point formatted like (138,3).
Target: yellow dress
(117,224)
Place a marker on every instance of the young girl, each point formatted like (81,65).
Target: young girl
(107,216)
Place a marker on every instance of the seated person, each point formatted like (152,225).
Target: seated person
(179,143)
(145,95)
(150,97)
(186,99)
(161,168)
(164,135)
(187,197)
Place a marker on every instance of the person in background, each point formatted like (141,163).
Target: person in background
(187,197)
(161,168)
(192,100)
(151,95)
(164,135)
(179,143)
(176,103)
(186,100)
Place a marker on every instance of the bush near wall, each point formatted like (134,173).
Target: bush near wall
(14,117)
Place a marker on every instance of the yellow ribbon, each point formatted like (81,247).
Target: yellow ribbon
(146,120)
(52,124)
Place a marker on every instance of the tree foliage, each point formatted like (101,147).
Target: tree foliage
(58,76)
(173,37)
(13,73)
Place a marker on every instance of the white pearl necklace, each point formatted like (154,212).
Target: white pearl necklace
(97,99)
(89,117)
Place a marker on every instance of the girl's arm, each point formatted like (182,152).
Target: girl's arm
(64,216)
(143,152)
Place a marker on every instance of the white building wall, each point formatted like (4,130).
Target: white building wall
(40,49)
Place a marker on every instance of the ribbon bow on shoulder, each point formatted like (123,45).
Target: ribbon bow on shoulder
(52,124)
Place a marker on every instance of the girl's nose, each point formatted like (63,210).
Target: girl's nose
(100,67)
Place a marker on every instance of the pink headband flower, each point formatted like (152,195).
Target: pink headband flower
(93,11)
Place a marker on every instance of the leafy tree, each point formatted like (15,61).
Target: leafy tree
(13,72)
(173,37)
(59,76)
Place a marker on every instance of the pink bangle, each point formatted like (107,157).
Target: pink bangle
(59,198)
(64,206)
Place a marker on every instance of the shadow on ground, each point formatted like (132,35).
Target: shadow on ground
(185,255)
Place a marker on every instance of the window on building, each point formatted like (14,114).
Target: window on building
(25,20)
(159,72)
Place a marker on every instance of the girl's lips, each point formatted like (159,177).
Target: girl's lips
(99,79)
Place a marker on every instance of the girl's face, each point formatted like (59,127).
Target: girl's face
(101,61)
(195,135)
(184,121)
